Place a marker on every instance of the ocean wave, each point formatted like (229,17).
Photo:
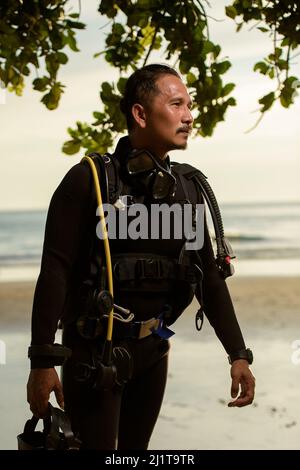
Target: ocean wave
(242,237)
(20,259)
(267,253)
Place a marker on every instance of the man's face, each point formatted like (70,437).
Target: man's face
(168,114)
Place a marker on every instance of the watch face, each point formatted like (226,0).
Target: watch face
(250,356)
(243,354)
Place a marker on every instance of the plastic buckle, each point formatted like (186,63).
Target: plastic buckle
(148,268)
(148,326)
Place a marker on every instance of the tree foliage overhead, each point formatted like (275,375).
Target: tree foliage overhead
(180,29)
(280,19)
(34,33)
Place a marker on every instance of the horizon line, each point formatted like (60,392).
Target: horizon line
(224,203)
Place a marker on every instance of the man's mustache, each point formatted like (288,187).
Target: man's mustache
(187,129)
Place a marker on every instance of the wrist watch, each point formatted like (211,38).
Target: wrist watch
(242,354)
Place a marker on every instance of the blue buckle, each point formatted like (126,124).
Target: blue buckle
(162,330)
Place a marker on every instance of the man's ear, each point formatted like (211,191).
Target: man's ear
(139,115)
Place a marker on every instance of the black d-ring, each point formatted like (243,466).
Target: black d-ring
(115,268)
(199,319)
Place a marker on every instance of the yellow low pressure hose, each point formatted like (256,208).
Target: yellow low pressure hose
(105,241)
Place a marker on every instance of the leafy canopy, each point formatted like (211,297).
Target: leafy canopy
(36,33)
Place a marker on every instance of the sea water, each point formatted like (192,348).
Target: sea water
(264,237)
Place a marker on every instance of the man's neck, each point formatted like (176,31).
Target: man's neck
(138,142)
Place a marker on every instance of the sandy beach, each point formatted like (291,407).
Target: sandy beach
(194,414)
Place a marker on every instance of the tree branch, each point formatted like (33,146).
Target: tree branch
(256,124)
(151,45)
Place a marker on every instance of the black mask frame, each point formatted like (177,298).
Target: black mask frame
(157,180)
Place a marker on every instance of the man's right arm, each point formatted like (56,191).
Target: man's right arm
(65,227)
(67,221)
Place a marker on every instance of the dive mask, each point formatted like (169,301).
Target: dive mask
(147,170)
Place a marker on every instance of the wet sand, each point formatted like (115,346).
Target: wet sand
(194,414)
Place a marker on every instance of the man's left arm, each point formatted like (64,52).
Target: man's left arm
(219,310)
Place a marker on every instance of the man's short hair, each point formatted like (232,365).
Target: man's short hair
(140,86)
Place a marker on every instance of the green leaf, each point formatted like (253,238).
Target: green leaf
(208,47)
(121,85)
(40,84)
(75,24)
(262,29)
(62,58)
(262,67)
(191,78)
(118,29)
(231,101)
(290,80)
(184,67)
(216,51)
(285,101)
(227,89)
(98,115)
(271,73)
(231,12)
(282,64)
(71,41)
(222,67)
(71,146)
(97,54)
(147,3)
(51,99)
(285,42)
(267,101)
(289,91)
(52,64)
(106,88)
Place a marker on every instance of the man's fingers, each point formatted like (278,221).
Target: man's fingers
(247,394)
(59,395)
(241,401)
(40,408)
(243,389)
(234,387)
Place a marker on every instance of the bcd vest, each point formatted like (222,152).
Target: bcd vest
(147,272)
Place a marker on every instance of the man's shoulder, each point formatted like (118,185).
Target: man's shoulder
(184,169)
(78,174)
(77,182)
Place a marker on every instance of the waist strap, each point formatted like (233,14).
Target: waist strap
(135,329)
(158,268)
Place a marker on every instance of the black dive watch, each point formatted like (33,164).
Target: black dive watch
(242,354)
(57,353)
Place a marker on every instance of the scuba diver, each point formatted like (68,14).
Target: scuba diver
(115,296)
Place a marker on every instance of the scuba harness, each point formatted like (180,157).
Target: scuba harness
(107,169)
(156,180)
(224,251)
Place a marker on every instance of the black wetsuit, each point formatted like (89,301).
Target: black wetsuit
(126,413)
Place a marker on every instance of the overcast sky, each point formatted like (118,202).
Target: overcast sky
(261,166)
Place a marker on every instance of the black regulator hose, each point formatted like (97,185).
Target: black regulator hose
(224,250)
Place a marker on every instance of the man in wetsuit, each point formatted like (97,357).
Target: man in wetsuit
(158,113)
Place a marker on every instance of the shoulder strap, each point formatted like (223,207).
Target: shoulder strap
(185,169)
(224,250)
(108,171)
(102,174)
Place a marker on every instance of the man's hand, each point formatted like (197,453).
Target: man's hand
(40,384)
(242,377)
